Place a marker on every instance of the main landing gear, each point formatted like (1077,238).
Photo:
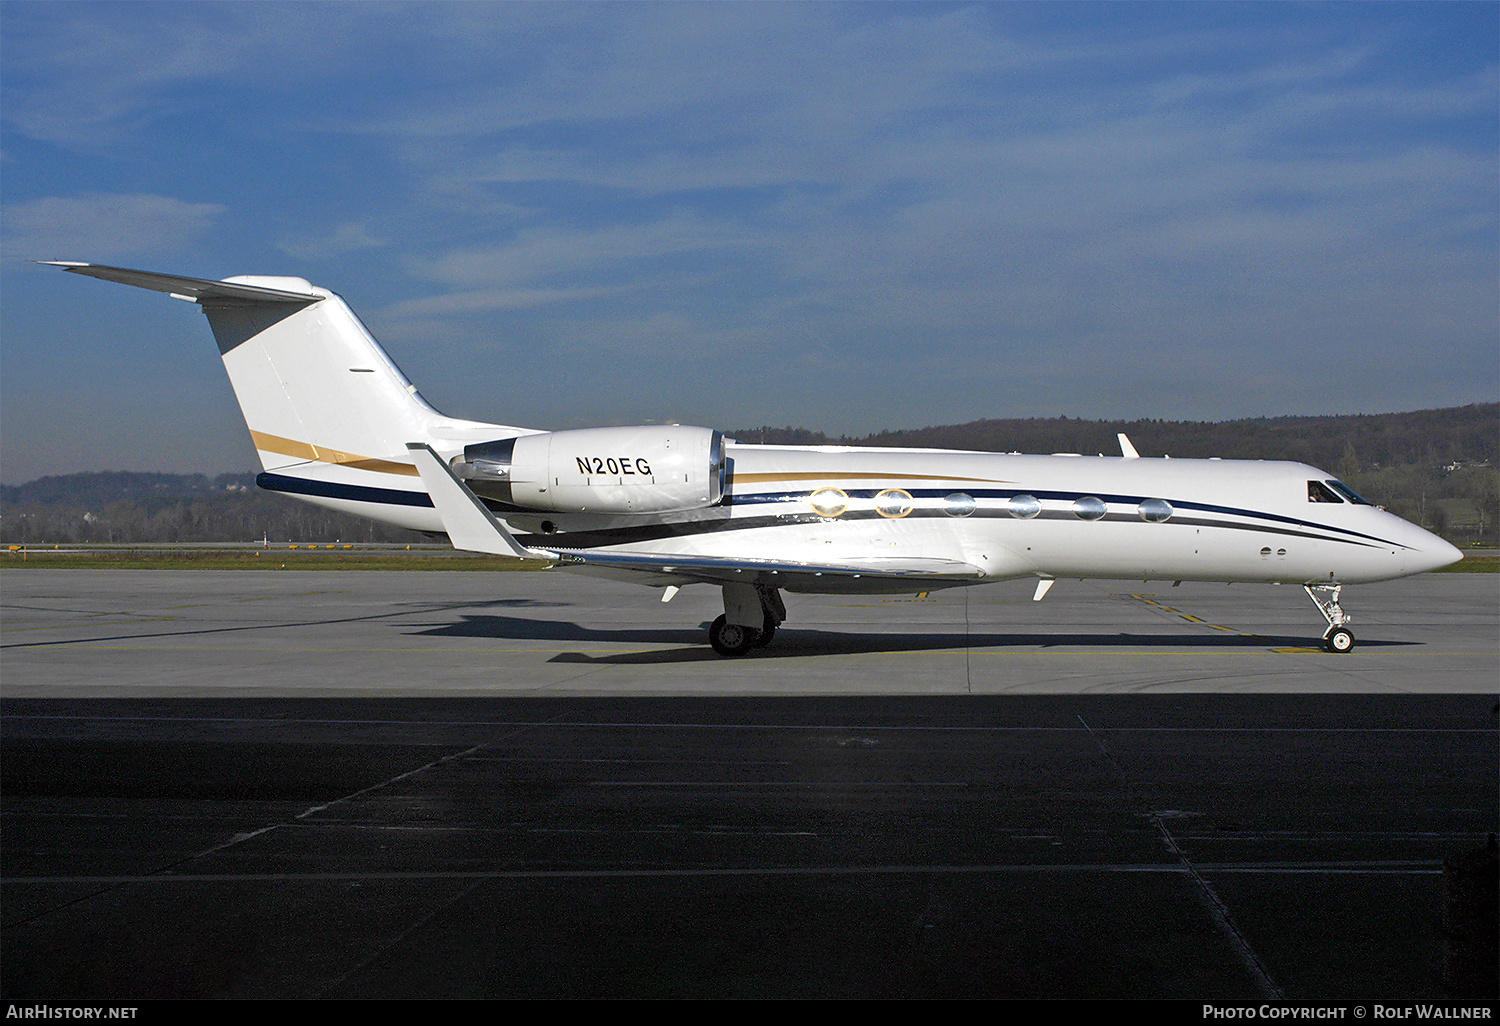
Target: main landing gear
(1338,637)
(752,612)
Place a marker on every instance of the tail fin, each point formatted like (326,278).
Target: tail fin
(314,385)
(329,412)
(311,381)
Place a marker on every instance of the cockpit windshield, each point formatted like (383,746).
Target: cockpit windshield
(1348,493)
(1317,491)
(1334,491)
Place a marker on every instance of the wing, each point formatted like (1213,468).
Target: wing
(471,526)
(894,574)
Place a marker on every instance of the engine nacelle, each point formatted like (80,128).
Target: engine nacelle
(650,469)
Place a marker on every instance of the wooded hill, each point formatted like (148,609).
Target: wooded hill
(1470,434)
(1437,468)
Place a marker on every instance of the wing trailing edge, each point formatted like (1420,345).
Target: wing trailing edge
(469,523)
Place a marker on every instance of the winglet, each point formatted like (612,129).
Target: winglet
(470,525)
(1126,449)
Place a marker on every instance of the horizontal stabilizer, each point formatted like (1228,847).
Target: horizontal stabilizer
(197,289)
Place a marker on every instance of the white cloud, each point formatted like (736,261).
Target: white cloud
(102,227)
(87,75)
(540,254)
(346,238)
(463,304)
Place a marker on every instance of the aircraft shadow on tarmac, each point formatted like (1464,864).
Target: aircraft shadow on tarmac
(250,628)
(804,642)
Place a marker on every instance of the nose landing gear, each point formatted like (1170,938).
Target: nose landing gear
(1338,637)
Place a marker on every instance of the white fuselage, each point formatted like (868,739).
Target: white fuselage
(1212,520)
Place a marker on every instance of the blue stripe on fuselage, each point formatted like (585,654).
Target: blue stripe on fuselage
(334,490)
(994,493)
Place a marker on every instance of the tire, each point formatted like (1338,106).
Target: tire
(730,639)
(1340,639)
(767,632)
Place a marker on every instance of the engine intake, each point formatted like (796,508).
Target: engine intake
(651,469)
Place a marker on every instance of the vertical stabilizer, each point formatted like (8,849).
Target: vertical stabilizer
(329,412)
(314,385)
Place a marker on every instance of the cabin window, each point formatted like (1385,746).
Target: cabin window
(893,503)
(1348,493)
(959,505)
(1317,491)
(1089,508)
(1024,507)
(1155,511)
(829,502)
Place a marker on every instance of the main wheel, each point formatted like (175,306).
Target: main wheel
(1340,639)
(767,632)
(730,639)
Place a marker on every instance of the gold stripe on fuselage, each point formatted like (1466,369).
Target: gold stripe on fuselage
(307,451)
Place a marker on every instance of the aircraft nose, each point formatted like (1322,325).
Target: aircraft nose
(1430,554)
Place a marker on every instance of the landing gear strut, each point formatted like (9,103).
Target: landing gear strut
(1338,637)
(752,612)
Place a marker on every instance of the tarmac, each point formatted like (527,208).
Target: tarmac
(346,784)
(119,633)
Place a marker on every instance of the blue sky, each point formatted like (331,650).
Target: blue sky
(841,216)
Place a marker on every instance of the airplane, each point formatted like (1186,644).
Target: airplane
(336,423)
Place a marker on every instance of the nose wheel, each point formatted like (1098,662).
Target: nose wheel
(1338,637)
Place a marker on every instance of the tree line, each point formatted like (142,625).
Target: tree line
(123,508)
(1426,437)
